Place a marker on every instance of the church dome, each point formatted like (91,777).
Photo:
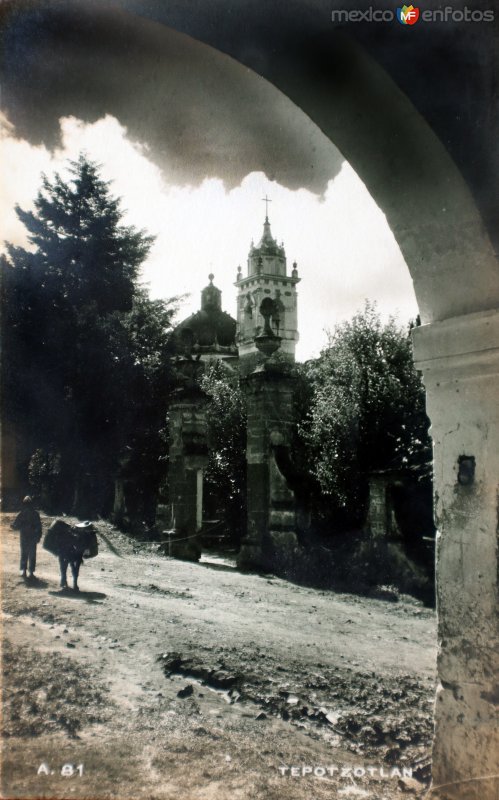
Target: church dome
(210,328)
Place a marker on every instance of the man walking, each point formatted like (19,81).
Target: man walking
(29,525)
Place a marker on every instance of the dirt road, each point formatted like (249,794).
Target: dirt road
(168,680)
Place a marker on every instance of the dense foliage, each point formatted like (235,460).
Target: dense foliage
(85,370)
(365,411)
(225,476)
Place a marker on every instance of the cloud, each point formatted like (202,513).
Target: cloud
(201,113)
(22,165)
(341,241)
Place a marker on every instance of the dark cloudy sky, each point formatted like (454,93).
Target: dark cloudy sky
(193,140)
(90,57)
(201,113)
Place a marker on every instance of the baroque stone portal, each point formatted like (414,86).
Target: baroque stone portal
(260,345)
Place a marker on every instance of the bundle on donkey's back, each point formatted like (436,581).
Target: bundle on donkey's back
(71,544)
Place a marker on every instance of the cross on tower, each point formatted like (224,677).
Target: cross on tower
(266,200)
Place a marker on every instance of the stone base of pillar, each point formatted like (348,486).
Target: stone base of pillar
(183,547)
(284,552)
(279,553)
(250,557)
(466,721)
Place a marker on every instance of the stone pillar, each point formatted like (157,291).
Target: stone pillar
(459,359)
(381,519)
(187,459)
(270,541)
(119,504)
(378,519)
(199,497)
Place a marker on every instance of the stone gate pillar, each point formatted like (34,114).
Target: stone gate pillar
(459,359)
(270,541)
(188,459)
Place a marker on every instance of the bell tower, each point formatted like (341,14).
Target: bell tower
(266,277)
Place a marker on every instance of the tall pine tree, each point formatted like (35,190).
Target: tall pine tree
(73,381)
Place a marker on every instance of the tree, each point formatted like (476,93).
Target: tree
(367,410)
(143,458)
(225,477)
(76,366)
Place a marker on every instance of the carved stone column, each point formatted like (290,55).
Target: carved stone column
(188,459)
(270,541)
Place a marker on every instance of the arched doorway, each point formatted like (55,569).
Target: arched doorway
(452,264)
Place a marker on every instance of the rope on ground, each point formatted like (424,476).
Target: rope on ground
(109,544)
(165,541)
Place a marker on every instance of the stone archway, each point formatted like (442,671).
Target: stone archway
(441,234)
(453,267)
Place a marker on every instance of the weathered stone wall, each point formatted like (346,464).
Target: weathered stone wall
(270,540)
(460,363)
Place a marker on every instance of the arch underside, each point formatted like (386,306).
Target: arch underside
(406,169)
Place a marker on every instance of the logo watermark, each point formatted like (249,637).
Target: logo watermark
(410,15)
